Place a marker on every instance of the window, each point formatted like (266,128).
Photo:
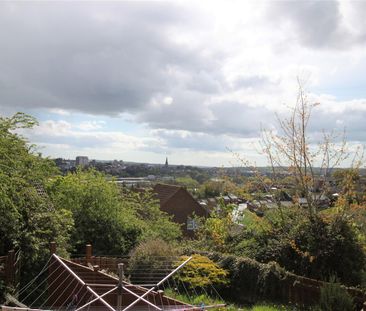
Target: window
(192,224)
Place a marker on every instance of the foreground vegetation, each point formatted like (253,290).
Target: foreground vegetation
(79,208)
(39,205)
(205,300)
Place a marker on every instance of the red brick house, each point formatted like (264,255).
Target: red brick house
(179,203)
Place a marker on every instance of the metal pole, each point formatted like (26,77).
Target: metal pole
(162,281)
(120,286)
(174,271)
(143,299)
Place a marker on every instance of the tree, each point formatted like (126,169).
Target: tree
(290,151)
(348,180)
(188,182)
(28,220)
(214,232)
(317,248)
(99,215)
(305,241)
(154,222)
(114,220)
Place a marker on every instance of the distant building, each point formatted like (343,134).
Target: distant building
(178,202)
(133,181)
(82,161)
(166,162)
(64,165)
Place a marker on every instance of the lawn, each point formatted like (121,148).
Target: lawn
(265,307)
(207,301)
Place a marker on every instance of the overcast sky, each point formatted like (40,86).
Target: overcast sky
(140,81)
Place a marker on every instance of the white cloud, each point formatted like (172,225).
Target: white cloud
(91,125)
(59,111)
(168,100)
(58,133)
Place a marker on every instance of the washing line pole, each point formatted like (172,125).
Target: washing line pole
(69,270)
(120,286)
(158,284)
(101,299)
(143,299)
(83,283)
(95,299)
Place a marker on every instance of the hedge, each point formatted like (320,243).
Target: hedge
(251,281)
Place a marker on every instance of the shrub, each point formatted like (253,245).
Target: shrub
(2,291)
(333,297)
(202,272)
(251,281)
(150,257)
(307,246)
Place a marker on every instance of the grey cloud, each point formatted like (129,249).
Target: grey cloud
(112,58)
(205,82)
(193,141)
(187,112)
(317,24)
(100,58)
(241,120)
(350,121)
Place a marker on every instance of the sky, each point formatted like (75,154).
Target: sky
(191,81)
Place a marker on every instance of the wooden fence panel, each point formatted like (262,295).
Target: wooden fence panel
(103,262)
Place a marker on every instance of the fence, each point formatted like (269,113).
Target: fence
(9,268)
(101,263)
(98,262)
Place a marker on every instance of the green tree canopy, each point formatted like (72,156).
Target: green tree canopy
(114,220)
(318,247)
(28,220)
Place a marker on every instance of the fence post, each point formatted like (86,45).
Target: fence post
(9,268)
(120,286)
(88,254)
(53,247)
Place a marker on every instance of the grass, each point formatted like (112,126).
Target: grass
(270,307)
(207,301)
(262,307)
(194,299)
